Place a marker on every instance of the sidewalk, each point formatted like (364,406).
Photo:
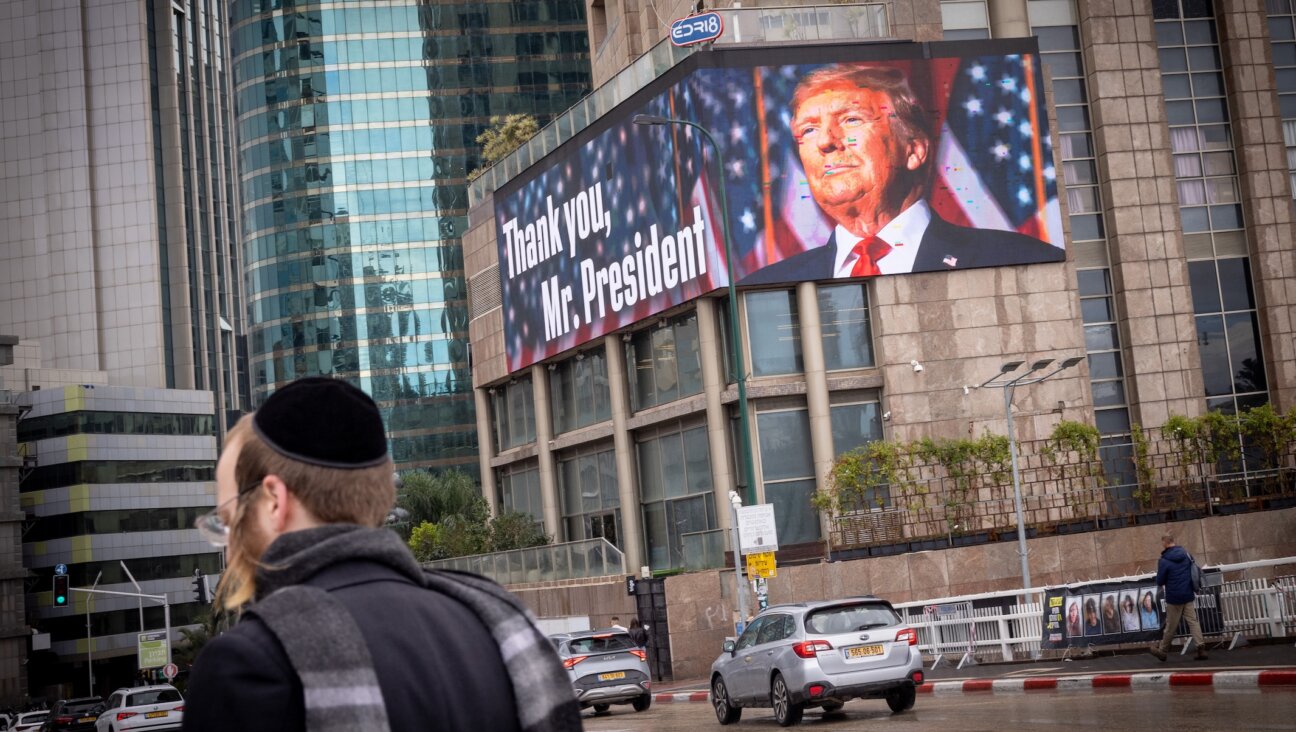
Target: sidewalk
(1269,665)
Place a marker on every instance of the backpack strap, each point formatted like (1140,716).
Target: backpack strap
(330,656)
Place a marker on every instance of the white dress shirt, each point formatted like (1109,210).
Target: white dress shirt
(904,233)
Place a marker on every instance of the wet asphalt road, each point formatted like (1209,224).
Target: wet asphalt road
(1180,710)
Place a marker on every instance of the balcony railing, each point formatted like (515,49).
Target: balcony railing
(573,560)
(742,25)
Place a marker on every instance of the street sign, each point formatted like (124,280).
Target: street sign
(60,569)
(761,565)
(756,529)
(697,29)
(631,583)
(170,671)
(152,649)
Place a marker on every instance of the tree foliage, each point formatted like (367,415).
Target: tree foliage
(505,135)
(450,518)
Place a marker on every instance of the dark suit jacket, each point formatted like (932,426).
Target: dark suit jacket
(969,247)
(436,662)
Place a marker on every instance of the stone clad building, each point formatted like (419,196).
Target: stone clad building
(1171,126)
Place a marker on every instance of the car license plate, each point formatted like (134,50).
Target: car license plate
(612,676)
(155,715)
(86,719)
(862,651)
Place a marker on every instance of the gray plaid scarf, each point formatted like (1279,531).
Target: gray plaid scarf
(338,680)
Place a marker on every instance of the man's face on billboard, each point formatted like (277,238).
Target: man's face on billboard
(851,151)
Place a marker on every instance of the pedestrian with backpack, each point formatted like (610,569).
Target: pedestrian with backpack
(340,628)
(1178,573)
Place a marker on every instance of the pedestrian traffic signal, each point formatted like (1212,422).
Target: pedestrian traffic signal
(200,587)
(62,594)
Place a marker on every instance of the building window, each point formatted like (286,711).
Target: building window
(591,504)
(578,391)
(965,20)
(787,473)
(675,488)
(1060,53)
(1282,40)
(844,322)
(518,491)
(1102,344)
(513,411)
(667,362)
(1228,335)
(773,332)
(856,422)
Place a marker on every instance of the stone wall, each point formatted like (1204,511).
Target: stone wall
(702,609)
(599,601)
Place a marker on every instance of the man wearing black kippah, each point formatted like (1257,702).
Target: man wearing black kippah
(340,628)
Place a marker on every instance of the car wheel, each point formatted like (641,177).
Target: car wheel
(832,707)
(600,708)
(726,712)
(902,699)
(641,703)
(786,713)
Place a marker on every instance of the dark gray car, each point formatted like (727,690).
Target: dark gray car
(606,667)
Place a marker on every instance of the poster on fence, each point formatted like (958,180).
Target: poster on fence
(1102,613)
(1107,613)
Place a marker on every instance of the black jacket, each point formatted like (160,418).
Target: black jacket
(437,664)
(944,247)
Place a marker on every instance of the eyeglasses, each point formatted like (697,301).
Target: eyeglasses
(212,527)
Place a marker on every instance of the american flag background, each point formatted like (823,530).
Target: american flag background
(993,169)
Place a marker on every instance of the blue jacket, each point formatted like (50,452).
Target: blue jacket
(1174,571)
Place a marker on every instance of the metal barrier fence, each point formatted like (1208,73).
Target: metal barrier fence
(571,560)
(999,626)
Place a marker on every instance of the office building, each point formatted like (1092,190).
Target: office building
(1156,170)
(13,625)
(357,131)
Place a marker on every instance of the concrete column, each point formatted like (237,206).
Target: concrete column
(1141,202)
(712,347)
(548,468)
(632,541)
(485,447)
(1008,19)
(1265,188)
(812,355)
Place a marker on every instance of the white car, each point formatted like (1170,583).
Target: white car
(30,722)
(142,708)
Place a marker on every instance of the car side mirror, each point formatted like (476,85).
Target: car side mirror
(729,646)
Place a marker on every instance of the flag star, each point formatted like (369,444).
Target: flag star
(737,134)
(973,106)
(748,220)
(1004,117)
(1024,162)
(1008,84)
(1000,151)
(1026,95)
(1050,173)
(977,73)
(737,168)
(1025,129)
(1023,195)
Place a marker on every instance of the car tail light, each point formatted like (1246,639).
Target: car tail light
(918,678)
(816,690)
(63,720)
(125,715)
(569,662)
(641,653)
(811,648)
(908,634)
(179,708)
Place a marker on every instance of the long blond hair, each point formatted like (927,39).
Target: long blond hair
(332,495)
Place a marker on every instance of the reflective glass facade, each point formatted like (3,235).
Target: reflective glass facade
(357,130)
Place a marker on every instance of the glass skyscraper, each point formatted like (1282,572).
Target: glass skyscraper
(357,125)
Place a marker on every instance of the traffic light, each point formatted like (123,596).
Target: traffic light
(200,587)
(62,594)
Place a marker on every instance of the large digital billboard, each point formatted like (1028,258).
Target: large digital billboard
(839,162)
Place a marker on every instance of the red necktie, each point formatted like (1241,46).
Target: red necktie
(868,252)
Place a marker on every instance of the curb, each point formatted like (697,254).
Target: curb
(1094,682)
(1228,680)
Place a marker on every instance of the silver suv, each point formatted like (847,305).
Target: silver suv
(817,654)
(606,667)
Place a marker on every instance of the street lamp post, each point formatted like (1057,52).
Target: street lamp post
(1009,385)
(734,334)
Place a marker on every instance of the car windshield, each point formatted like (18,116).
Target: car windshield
(156,696)
(601,643)
(848,618)
(36,717)
(80,707)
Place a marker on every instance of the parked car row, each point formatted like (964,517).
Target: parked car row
(153,708)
